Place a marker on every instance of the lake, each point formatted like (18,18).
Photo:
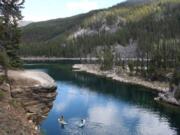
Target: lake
(109,107)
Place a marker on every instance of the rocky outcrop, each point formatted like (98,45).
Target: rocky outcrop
(129,51)
(100,25)
(81,32)
(35,90)
(168,98)
(123,52)
(171,97)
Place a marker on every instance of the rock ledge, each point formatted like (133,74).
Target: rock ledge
(36,91)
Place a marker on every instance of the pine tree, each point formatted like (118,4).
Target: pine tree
(4,62)
(10,12)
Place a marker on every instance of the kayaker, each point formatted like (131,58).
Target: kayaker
(62,118)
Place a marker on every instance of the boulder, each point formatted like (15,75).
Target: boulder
(5,87)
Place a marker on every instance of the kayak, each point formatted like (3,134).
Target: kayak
(82,124)
(62,122)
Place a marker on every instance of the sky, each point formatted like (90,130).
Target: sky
(41,10)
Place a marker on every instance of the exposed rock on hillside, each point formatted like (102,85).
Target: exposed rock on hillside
(129,51)
(81,32)
(104,27)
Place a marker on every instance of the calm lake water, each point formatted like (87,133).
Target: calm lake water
(109,107)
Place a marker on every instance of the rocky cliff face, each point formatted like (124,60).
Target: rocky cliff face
(13,118)
(35,90)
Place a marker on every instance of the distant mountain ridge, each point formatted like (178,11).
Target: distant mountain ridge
(24,23)
(80,35)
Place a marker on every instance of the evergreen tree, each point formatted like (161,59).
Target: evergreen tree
(108,57)
(10,12)
(4,62)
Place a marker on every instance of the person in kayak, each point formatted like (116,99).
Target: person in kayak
(62,118)
(62,121)
(82,123)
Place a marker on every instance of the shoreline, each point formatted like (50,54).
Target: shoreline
(95,69)
(57,59)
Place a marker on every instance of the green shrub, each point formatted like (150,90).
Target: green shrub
(177,94)
(2,79)
(4,61)
(108,58)
(176,77)
(1,95)
(14,103)
(131,66)
(151,69)
(144,73)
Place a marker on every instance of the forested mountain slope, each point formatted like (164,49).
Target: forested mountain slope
(154,25)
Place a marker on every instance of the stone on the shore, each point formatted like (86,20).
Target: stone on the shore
(168,98)
(5,87)
(172,97)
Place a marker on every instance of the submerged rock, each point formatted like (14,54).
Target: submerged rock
(35,90)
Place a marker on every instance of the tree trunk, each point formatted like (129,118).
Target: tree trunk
(6,73)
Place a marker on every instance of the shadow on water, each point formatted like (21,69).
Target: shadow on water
(133,95)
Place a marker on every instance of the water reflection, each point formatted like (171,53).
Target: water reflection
(70,96)
(109,107)
(106,114)
(129,120)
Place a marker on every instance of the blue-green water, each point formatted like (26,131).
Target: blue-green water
(109,107)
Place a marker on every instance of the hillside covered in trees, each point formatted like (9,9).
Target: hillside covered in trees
(153,25)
